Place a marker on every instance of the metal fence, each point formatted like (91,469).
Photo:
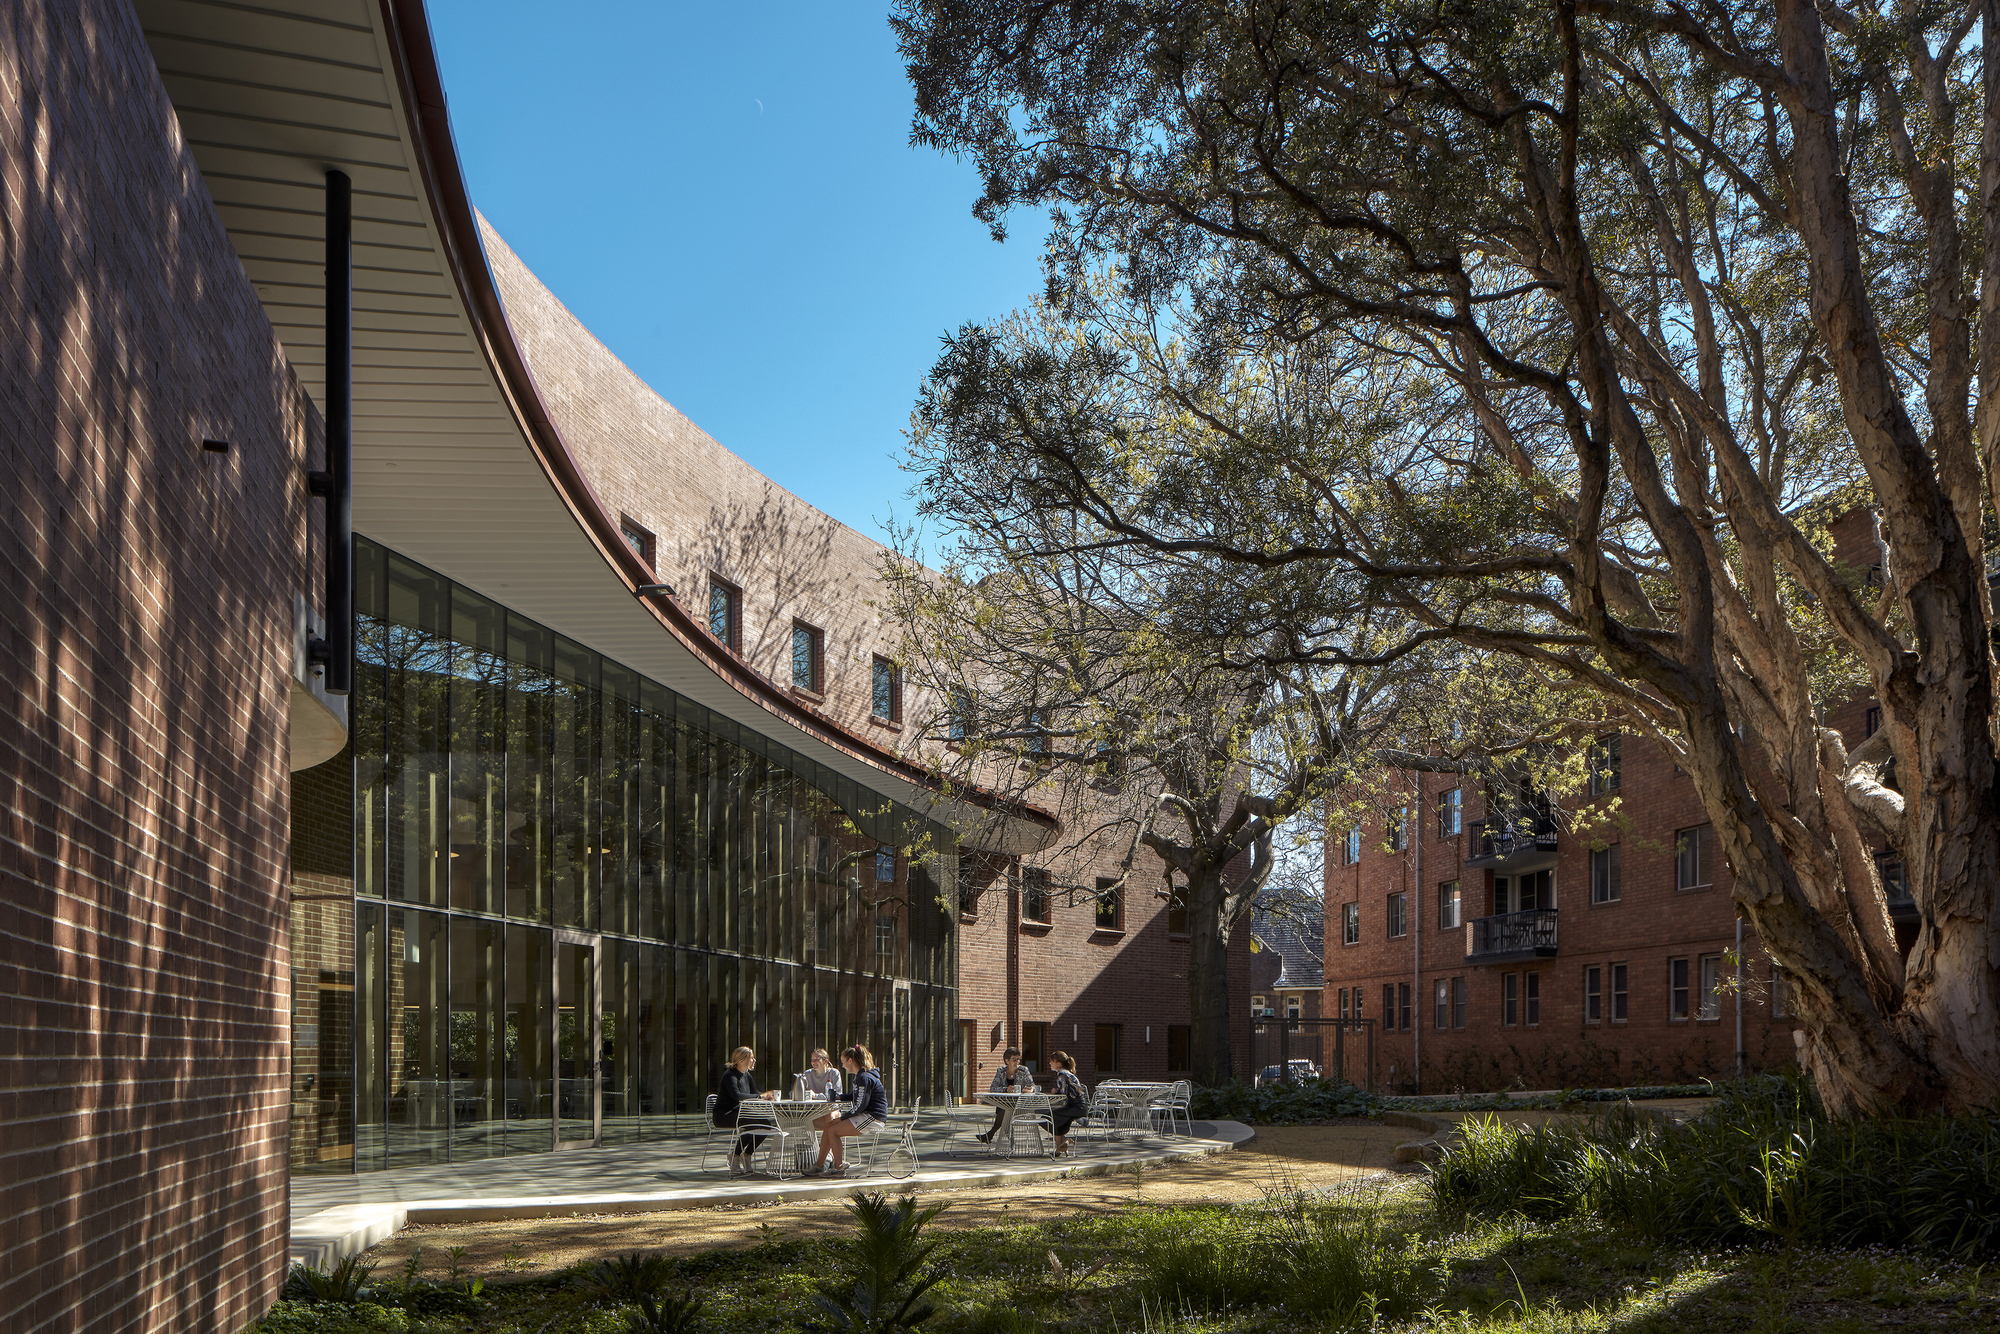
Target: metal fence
(1332,1048)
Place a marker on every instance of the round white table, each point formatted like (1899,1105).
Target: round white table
(1134,1112)
(796,1116)
(1011,1105)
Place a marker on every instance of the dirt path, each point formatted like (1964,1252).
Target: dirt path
(1316,1157)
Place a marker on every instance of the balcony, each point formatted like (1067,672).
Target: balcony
(1515,841)
(1511,937)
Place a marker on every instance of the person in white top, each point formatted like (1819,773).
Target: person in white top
(822,1081)
(1011,1077)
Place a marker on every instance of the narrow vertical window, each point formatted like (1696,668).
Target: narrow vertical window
(1451,812)
(725,613)
(1443,1004)
(1708,1002)
(888,691)
(1458,1002)
(1350,923)
(958,725)
(1677,988)
(637,537)
(1606,763)
(1399,915)
(1388,1006)
(1604,875)
(885,866)
(1399,829)
(1593,994)
(1618,993)
(1110,905)
(1403,1005)
(1035,895)
(1177,910)
(1531,998)
(1448,905)
(1693,853)
(1343,1002)
(1781,994)
(1508,999)
(807,658)
(1354,845)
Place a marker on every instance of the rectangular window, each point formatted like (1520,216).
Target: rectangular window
(1177,910)
(1448,905)
(1531,998)
(725,613)
(885,866)
(807,658)
(1508,1000)
(1343,1002)
(1605,875)
(888,691)
(1107,1049)
(1388,1006)
(1038,733)
(968,892)
(1781,994)
(1350,924)
(959,725)
(885,942)
(1593,994)
(1399,915)
(1035,1046)
(1502,890)
(1694,855)
(1353,845)
(1035,905)
(1606,760)
(1895,885)
(1443,1004)
(1180,1048)
(1403,1005)
(1451,813)
(1293,1007)
(1399,829)
(1677,988)
(637,537)
(1110,905)
(1357,1005)
(1709,1001)
(1617,993)
(1871,723)
(1458,1002)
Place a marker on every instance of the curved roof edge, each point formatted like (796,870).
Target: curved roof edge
(422,89)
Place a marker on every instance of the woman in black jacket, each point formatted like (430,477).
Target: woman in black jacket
(1070,1089)
(738,1085)
(871,1108)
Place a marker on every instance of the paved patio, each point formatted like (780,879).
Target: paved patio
(332,1217)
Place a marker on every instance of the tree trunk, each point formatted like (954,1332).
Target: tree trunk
(1208,976)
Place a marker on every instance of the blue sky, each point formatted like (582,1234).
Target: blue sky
(726,195)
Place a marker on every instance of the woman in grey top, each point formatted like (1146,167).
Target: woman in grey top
(822,1080)
(1011,1077)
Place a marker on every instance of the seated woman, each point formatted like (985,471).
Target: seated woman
(871,1108)
(822,1081)
(1070,1089)
(737,1086)
(1011,1077)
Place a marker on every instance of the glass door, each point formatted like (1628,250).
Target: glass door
(579,1114)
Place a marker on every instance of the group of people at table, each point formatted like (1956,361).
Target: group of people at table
(869,1106)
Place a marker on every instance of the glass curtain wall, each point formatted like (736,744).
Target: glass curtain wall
(550,850)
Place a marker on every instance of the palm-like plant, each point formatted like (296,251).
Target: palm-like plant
(879,1290)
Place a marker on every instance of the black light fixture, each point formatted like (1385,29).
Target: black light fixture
(647,590)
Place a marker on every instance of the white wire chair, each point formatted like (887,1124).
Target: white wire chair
(712,1129)
(903,1158)
(755,1119)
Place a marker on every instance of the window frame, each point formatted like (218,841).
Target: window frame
(1620,989)
(1781,993)
(732,612)
(1399,916)
(885,852)
(877,669)
(647,545)
(1458,1002)
(1397,830)
(815,644)
(1388,1007)
(1108,885)
(1593,993)
(1680,993)
(1353,847)
(1035,886)
(1451,812)
(1708,989)
(1183,1035)
(1531,998)
(1694,851)
(1451,906)
(960,711)
(1509,999)
(1404,999)
(1350,922)
(1177,906)
(1607,764)
(1443,996)
(1607,875)
(1117,1034)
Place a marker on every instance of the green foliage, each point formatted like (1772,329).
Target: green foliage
(1764,1163)
(666,1315)
(291,1317)
(1283,1103)
(878,1288)
(345,1283)
(627,1278)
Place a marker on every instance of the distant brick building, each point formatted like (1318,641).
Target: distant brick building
(1494,947)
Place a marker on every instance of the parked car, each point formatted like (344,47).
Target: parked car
(1297,1070)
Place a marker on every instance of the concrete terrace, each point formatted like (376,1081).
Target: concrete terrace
(333,1217)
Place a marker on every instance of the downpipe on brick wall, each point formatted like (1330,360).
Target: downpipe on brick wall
(334,655)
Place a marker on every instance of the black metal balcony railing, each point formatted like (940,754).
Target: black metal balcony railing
(1495,840)
(1513,935)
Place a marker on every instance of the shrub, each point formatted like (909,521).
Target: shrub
(1764,1162)
(289,1317)
(344,1283)
(1282,1103)
(878,1290)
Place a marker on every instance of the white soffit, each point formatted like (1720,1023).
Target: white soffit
(270,97)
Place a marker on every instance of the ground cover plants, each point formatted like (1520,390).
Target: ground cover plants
(1302,1101)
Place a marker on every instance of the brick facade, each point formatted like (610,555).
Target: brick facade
(146,590)
(706,514)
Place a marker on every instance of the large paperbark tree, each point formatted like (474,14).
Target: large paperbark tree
(1607,308)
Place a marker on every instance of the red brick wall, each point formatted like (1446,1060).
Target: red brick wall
(145,641)
(1651,922)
